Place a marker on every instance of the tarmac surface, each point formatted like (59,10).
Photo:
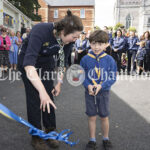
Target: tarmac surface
(129,118)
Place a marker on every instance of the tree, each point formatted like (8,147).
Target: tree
(118,25)
(28,7)
(132,29)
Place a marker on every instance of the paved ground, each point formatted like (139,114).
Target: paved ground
(129,119)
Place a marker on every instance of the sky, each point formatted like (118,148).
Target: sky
(104,12)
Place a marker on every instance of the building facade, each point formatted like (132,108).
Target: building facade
(55,10)
(13,18)
(134,13)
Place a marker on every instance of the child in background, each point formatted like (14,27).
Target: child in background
(140,57)
(123,62)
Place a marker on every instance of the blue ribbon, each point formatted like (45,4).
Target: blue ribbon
(62,136)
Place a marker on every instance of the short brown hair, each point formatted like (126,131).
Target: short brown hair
(69,24)
(3,30)
(99,36)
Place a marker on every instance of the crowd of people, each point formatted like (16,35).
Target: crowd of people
(10,42)
(131,53)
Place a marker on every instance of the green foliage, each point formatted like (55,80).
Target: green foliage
(28,7)
(118,25)
(96,28)
(132,29)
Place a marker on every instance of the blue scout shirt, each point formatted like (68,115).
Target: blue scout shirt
(40,46)
(82,45)
(101,69)
(118,43)
(131,43)
(141,53)
(110,38)
(147,46)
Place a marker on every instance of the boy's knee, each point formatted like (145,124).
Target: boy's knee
(92,118)
(104,118)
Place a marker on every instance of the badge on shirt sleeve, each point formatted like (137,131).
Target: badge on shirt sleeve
(46,44)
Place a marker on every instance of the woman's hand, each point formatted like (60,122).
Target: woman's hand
(46,102)
(57,89)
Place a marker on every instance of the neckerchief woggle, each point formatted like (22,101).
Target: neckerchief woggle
(97,67)
(62,136)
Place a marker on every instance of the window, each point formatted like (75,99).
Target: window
(82,13)
(8,20)
(55,13)
(128,21)
(148,20)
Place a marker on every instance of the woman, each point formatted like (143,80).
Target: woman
(13,53)
(147,56)
(36,56)
(4,49)
(81,47)
(132,48)
(118,46)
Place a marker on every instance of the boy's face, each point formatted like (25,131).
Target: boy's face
(97,47)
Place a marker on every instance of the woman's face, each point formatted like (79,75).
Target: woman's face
(72,37)
(132,33)
(146,35)
(4,32)
(18,34)
(12,33)
(118,33)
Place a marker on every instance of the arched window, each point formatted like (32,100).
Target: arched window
(128,21)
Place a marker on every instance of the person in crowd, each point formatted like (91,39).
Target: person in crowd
(4,49)
(140,57)
(36,57)
(123,62)
(118,46)
(81,47)
(109,48)
(24,36)
(124,35)
(13,53)
(100,74)
(19,40)
(132,48)
(1,26)
(146,37)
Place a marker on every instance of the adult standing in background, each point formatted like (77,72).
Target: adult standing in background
(118,46)
(132,48)
(13,53)
(147,56)
(4,49)
(24,36)
(81,46)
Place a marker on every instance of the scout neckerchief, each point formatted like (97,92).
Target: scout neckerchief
(97,67)
(61,55)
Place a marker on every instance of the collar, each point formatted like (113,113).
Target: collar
(97,57)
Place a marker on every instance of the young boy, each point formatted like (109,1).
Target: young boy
(100,74)
(140,57)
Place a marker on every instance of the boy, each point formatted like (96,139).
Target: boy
(140,57)
(100,74)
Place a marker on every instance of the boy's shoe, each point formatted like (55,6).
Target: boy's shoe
(39,144)
(107,144)
(52,143)
(91,145)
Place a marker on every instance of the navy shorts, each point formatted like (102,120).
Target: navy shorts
(101,107)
